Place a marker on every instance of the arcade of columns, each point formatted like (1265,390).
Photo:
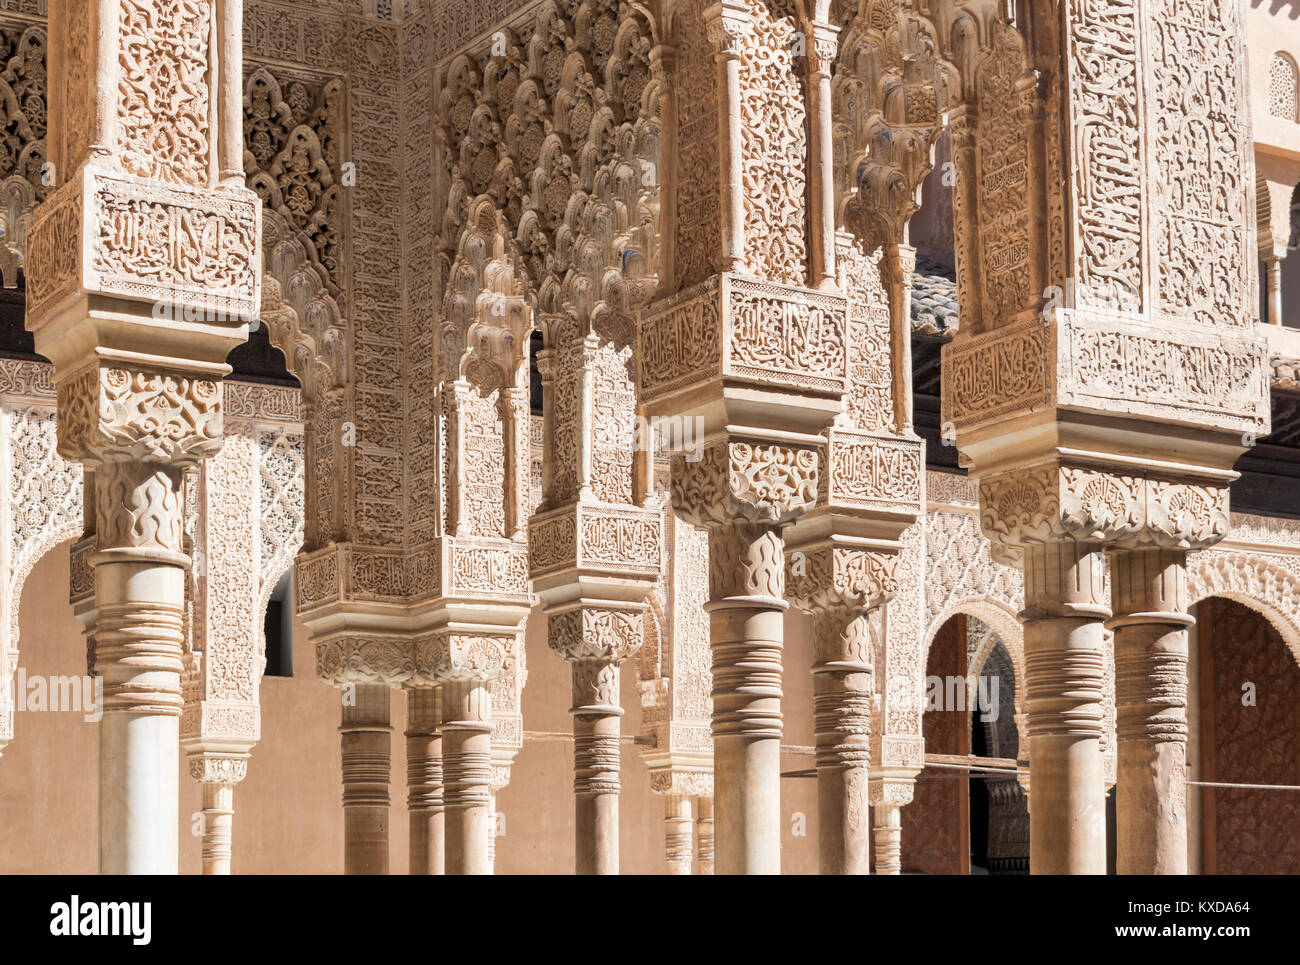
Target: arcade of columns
(703,209)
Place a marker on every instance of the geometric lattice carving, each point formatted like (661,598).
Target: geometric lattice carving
(1282,87)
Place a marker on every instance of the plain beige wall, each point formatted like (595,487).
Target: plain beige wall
(288,812)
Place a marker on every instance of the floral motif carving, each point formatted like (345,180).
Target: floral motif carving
(163,89)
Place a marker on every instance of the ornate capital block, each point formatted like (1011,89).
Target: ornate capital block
(463,655)
(682,780)
(999,373)
(839,576)
(192,253)
(753,480)
(1206,377)
(227,770)
(1106,362)
(596,638)
(116,411)
(1131,508)
(894,751)
(597,631)
(600,541)
(728,25)
(218,723)
(350,572)
(731,332)
(359,658)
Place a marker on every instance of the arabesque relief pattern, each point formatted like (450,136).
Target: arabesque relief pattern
(702,209)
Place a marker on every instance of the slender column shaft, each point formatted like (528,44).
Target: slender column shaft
(367,737)
(704,834)
(596,755)
(889,839)
(746,637)
(231,70)
(1064,609)
(679,834)
(492,834)
(1274,281)
(822,157)
(1149,596)
(424,781)
(137,640)
(218,821)
(842,728)
(467,771)
(730,143)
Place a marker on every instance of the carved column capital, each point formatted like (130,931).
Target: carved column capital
(463,656)
(119,411)
(822,49)
(727,24)
(759,481)
(603,633)
(838,577)
(1130,508)
(362,658)
(895,791)
(223,769)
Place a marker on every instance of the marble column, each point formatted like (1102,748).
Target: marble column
(1273,281)
(595,639)
(367,739)
(704,834)
(679,834)
(842,682)
(891,791)
(746,633)
(889,839)
(1064,609)
(467,774)
(217,775)
(596,752)
(424,796)
(1149,598)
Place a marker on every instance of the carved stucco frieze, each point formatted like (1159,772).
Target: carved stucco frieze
(731,327)
(192,251)
(245,525)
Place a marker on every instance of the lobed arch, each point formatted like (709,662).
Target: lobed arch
(1269,585)
(1001,619)
(304,313)
(18,199)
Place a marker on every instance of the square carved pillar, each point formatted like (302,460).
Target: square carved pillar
(144,270)
(1109,369)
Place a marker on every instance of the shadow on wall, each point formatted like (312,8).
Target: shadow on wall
(1285,8)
